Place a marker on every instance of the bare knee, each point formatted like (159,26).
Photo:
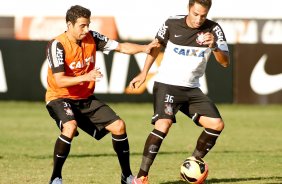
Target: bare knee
(163,125)
(212,123)
(117,127)
(69,128)
(218,125)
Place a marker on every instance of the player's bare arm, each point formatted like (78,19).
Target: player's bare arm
(132,48)
(221,57)
(137,81)
(66,81)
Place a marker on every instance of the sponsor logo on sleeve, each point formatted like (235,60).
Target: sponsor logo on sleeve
(162,31)
(98,35)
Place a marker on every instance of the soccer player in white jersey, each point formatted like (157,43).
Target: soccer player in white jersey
(188,40)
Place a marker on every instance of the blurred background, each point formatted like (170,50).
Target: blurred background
(253,30)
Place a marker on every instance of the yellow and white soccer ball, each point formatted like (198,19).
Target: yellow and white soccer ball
(194,170)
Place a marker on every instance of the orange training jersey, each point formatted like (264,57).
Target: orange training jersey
(74,60)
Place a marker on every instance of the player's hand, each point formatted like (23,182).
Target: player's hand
(209,40)
(154,44)
(94,75)
(136,82)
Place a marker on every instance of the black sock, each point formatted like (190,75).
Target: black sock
(205,142)
(150,152)
(61,151)
(121,147)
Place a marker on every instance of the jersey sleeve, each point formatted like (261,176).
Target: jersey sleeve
(163,34)
(56,56)
(220,39)
(103,43)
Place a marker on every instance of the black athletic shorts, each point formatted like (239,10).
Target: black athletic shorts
(91,115)
(168,99)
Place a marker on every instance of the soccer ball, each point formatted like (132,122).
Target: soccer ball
(194,170)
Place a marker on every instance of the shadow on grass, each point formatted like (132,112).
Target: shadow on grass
(98,155)
(233,180)
(132,154)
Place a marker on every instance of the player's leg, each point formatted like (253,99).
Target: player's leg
(164,116)
(103,120)
(62,148)
(62,113)
(153,144)
(121,146)
(204,113)
(207,139)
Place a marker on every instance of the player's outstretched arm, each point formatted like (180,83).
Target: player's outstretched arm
(132,48)
(137,81)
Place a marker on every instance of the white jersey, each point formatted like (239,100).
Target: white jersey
(185,57)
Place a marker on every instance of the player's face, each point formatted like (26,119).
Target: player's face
(197,15)
(79,30)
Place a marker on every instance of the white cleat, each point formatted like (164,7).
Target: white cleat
(57,181)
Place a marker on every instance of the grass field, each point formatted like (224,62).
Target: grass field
(249,151)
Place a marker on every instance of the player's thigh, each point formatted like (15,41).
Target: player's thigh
(163,104)
(96,116)
(200,105)
(166,102)
(61,111)
(89,127)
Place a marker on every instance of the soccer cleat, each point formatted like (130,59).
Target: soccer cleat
(141,180)
(127,180)
(57,181)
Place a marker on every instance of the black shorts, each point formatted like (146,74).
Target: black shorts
(168,99)
(91,115)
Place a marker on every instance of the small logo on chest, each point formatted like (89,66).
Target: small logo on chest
(200,38)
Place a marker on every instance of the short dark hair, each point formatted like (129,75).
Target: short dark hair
(76,12)
(205,3)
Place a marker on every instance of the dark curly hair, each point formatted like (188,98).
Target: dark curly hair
(76,12)
(205,3)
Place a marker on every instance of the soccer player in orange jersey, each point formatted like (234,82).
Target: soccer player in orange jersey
(71,82)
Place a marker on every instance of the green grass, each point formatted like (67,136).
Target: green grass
(249,151)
